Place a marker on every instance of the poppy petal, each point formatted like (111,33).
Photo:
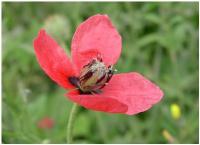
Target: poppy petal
(98,102)
(96,37)
(53,59)
(134,90)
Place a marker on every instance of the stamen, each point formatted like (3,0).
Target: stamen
(86,76)
(101,79)
(93,77)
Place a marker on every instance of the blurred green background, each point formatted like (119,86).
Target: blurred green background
(160,40)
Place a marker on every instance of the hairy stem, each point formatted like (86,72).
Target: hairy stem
(71,123)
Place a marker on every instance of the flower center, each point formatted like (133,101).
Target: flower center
(93,76)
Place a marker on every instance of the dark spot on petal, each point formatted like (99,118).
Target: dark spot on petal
(74,81)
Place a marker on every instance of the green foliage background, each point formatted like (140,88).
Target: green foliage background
(160,40)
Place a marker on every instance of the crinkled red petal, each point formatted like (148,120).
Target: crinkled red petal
(96,36)
(98,102)
(53,59)
(134,90)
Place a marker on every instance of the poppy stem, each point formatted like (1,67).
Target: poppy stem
(71,123)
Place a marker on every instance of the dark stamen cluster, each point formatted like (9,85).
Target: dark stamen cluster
(93,77)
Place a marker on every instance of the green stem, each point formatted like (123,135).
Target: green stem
(71,123)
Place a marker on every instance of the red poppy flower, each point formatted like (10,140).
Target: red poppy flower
(45,123)
(95,48)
